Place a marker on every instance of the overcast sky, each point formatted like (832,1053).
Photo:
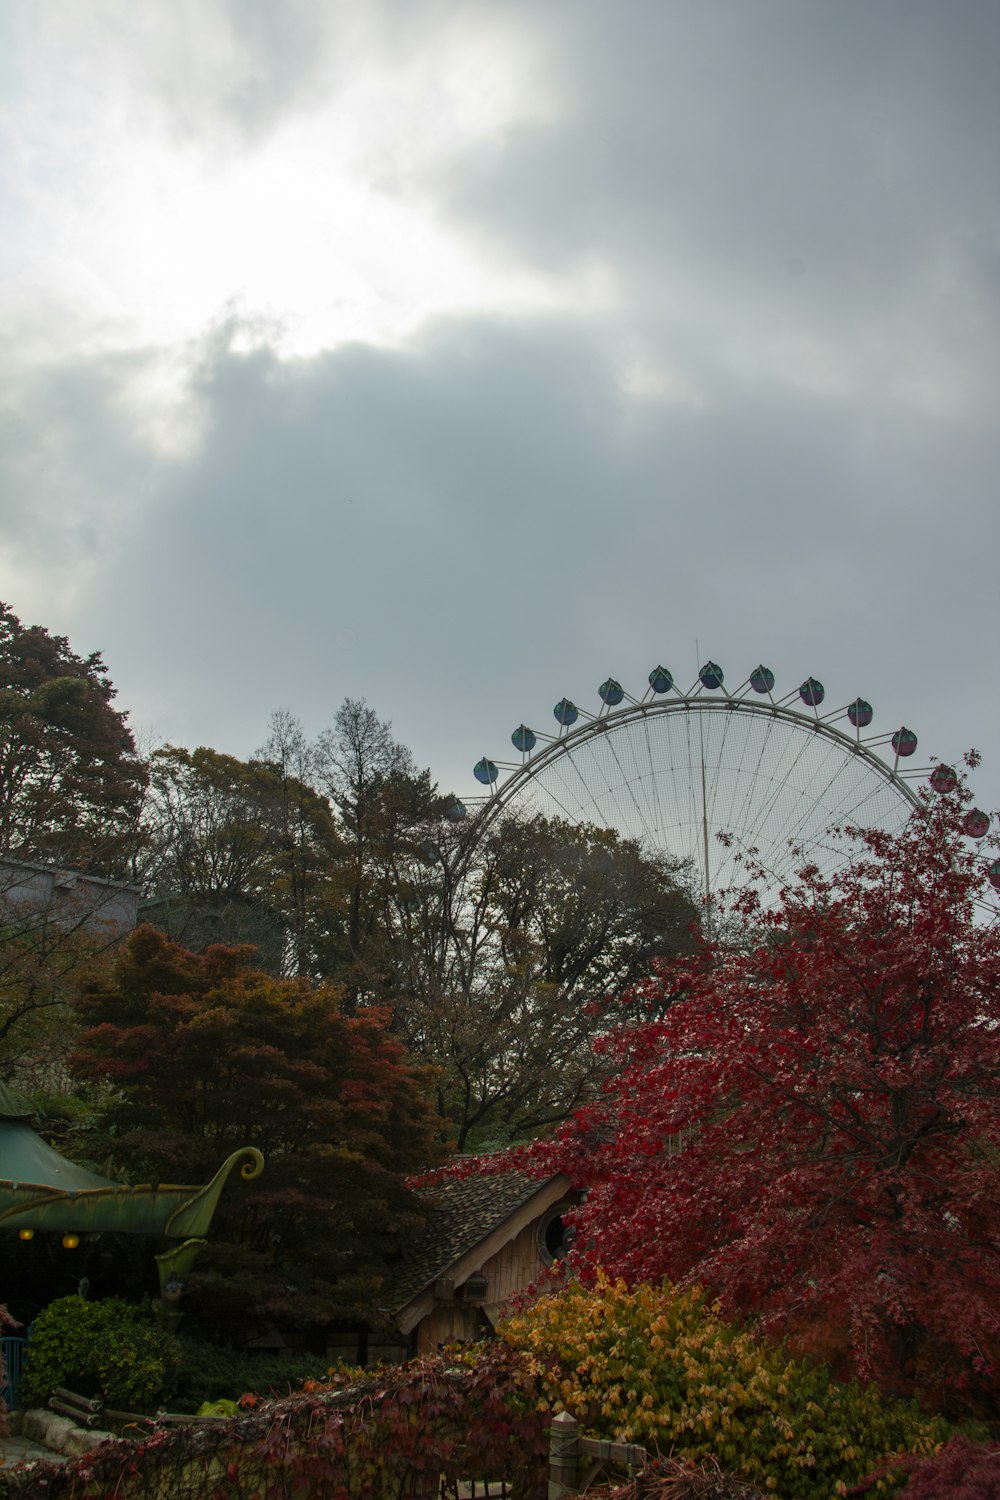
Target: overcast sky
(457,355)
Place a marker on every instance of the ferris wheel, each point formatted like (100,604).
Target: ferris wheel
(715,777)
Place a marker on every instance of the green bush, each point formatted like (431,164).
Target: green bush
(105,1348)
(211,1373)
(660,1367)
(137,1366)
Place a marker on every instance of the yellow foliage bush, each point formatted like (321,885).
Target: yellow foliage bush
(660,1367)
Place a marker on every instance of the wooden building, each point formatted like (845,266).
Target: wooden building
(484,1239)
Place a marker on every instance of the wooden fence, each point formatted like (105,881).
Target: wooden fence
(575,1461)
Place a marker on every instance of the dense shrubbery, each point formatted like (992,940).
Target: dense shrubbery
(210,1372)
(102,1349)
(389,1434)
(108,1349)
(136,1365)
(660,1367)
(739,1418)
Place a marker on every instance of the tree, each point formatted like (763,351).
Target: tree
(210,848)
(812,1128)
(312,850)
(71,781)
(54,927)
(496,954)
(206,1055)
(581,907)
(240,851)
(383,802)
(507,954)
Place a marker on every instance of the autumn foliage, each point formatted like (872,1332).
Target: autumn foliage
(659,1366)
(835,1090)
(962,1470)
(207,1054)
(396,1433)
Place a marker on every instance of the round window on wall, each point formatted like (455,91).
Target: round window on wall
(554,1237)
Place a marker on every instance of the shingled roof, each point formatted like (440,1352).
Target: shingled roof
(462,1212)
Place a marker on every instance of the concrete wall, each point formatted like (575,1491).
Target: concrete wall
(69,898)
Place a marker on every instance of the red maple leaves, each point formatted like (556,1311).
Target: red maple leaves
(811,1126)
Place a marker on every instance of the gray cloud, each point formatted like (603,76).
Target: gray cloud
(466,530)
(797,208)
(767,169)
(833,133)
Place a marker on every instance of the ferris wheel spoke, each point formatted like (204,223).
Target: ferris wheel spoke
(812,808)
(718,762)
(627,783)
(734,778)
(797,818)
(746,791)
(653,777)
(722,860)
(593,801)
(570,816)
(849,801)
(678,789)
(780,779)
(860,809)
(691,788)
(739,816)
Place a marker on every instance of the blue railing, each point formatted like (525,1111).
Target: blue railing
(12,1349)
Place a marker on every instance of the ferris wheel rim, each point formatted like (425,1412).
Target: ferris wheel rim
(599,726)
(664,700)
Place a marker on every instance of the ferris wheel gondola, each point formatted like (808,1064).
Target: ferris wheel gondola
(718,779)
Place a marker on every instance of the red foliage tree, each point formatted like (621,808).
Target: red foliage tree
(812,1128)
(207,1055)
(961,1470)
